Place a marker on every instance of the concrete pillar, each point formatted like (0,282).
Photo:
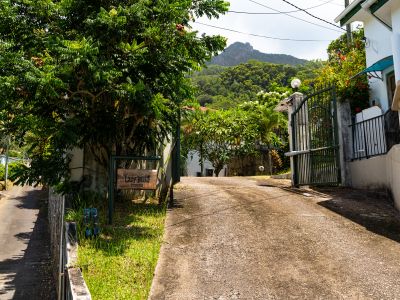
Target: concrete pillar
(345,141)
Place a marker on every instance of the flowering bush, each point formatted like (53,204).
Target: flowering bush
(345,61)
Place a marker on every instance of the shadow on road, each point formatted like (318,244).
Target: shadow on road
(372,209)
(29,275)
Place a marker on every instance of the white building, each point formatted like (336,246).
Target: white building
(381,19)
(193,168)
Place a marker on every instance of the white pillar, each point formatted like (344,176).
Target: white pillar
(296,99)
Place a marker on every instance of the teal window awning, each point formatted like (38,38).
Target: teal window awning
(379,66)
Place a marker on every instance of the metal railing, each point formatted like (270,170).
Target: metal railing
(375,136)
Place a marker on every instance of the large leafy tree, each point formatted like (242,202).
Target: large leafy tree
(105,75)
(221,135)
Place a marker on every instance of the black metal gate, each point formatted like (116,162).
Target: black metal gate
(315,139)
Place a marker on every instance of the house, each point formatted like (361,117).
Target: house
(193,168)
(375,143)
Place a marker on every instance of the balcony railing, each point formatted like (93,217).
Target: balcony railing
(375,136)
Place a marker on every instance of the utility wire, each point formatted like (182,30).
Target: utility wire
(333,3)
(278,13)
(296,17)
(262,36)
(310,14)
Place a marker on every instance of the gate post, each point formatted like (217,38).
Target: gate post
(290,104)
(296,99)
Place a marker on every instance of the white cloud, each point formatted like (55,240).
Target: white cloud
(279,26)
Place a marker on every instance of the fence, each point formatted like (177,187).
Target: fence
(375,136)
(70,283)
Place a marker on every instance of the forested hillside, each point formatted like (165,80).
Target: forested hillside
(225,87)
(238,53)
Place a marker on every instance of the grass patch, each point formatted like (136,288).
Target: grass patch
(120,262)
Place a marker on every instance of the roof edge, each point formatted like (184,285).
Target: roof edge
(349,11)
(377,5)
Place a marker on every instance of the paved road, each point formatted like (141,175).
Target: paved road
(230,238)
(24,251)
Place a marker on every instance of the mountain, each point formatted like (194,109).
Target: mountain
(238,53)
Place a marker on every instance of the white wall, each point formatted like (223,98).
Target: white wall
(193,166)
(395,8)
(379,172)
(378,46)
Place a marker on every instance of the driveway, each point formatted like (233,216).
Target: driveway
(25,271)
(236,238)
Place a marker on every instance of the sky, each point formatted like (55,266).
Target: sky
(283,26)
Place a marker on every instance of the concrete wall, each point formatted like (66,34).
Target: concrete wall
(379,172)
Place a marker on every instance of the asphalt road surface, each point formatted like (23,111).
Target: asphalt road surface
(232,238)
(25,271)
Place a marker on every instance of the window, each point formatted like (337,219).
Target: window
(390,86)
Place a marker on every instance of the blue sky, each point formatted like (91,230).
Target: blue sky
(279,26)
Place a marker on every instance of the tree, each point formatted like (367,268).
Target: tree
(221,135)
(105,75)
(269,122)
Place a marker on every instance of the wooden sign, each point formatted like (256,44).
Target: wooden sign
(136,179)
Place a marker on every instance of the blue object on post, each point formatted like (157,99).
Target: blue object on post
(86,222)
(91,222)
(95,218)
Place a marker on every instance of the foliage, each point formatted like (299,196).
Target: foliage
(104,75)
(223,88)
(220,135)
(344,62)
(269,122)
(12,170)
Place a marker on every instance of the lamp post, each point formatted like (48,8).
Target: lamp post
(295,84)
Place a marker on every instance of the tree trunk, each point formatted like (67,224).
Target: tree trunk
(201,160)
(218,169)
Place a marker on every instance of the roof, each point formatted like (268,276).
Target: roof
(379,66)
(201,108)
(359,6)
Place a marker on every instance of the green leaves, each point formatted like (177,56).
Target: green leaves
(344,62)
(109,75)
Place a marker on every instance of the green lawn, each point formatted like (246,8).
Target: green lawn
(120,263)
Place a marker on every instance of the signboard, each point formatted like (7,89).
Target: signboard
(136,179)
